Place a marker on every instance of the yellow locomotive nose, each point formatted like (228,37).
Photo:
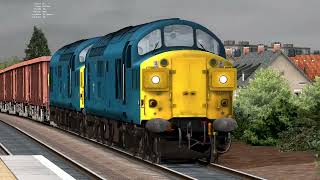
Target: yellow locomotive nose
(186,83)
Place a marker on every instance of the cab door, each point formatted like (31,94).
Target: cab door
(189,87)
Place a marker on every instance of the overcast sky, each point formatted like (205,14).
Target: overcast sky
(259,21)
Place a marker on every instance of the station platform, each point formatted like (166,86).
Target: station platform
(26,167)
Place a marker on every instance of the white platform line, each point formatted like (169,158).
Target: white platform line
(58,171)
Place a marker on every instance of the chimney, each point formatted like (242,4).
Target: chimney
(276,47)
(229,43)
(229,52)
(261,48)
(246,50)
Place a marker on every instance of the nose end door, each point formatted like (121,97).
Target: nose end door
(189,87)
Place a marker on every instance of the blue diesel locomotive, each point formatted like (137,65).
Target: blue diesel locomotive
(161,90)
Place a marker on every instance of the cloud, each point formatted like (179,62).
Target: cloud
(293,21)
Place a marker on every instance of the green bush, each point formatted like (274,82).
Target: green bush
(305,131)
(6,62)
(264,108)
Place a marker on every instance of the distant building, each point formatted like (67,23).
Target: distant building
(316,52)
(309,64)
(249,63)
(234,49)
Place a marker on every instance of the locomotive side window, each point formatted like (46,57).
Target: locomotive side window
(207,42)
(150,42)
(178,35)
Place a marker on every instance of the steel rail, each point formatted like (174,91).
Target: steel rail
(234,171)
(5,150)
(86,170)
(228,170)
(160,167)
(167,170)
(177,174)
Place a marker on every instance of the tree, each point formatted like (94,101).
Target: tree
(6,62)
(305,131)
(38,45)
(309,100)
(264,108)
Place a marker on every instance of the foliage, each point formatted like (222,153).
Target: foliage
(305,132)
(264,108)
(38,45)
(6,62)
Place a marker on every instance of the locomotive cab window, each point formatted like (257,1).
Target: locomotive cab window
(83,54)
(206,42)
(150,42)
(178,35)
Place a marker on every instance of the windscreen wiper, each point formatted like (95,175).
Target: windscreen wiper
(203,47)
(155,47)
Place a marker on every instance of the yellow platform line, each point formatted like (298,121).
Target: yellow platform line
(5,173)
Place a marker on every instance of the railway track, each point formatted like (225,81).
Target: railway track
(173,171)
(194,171)
(4,150)
(19,142)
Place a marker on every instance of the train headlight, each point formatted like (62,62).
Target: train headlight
(223,79)
(155,79)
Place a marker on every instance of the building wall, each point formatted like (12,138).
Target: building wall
(296,80)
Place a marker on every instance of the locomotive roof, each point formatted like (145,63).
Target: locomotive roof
(131,33)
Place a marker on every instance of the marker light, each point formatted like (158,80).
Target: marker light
(213,62)
(164,62)
(155,79)
(223,79)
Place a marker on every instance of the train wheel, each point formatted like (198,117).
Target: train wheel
(111,134)
(140,148)
(122,136)
(224,142)
(102,132)
(155,150)
(146,150)
(213,153)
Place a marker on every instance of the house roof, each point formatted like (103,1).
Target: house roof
(247,64)
(309,64)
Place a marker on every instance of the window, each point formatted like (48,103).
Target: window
(76,83)
(128,56)
(83,54)
(297,91)
(150,42)
(178,35)
(88,81)
(72,63)
(207,42)
(118,78)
